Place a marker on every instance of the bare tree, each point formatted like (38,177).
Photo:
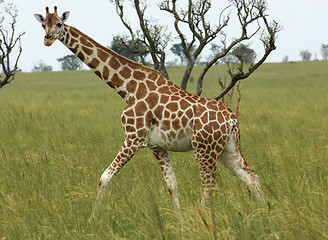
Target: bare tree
(201,30)
(151,34)
(251,15)
(8,43)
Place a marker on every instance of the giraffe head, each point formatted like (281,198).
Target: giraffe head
(52,24)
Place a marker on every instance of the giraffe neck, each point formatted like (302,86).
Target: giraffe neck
(117,71)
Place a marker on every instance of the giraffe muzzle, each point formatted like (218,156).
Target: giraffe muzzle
(48,40)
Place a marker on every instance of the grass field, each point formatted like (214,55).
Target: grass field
(60,130)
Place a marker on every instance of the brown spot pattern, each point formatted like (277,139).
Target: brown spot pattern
(94,63)
(141,108)
(117,81)
(73,33)
(172,106)
(131,86)
(125,72)
(88,51)
(142,91)
(106,73)
(113,63)
(139,75)
(159,112)
(153,76)
(151,85)
(122,94)
(166,125)
(84,41)
(152,100)
(102,55)
(80,55)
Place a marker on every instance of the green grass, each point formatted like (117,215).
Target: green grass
(59,131)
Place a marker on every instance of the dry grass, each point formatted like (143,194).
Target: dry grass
(59,131)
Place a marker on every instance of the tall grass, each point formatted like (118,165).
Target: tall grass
(59,131)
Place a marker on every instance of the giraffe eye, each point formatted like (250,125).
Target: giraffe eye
(44,26)
(59,24)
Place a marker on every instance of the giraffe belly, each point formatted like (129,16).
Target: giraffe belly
(175,142)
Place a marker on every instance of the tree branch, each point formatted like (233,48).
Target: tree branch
(202,32)
(247,13)
(268,39)
(194,17)
(7,44)
(151,35)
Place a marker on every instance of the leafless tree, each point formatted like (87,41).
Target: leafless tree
(151,34)
(249,13)
(252,18)
(8,43)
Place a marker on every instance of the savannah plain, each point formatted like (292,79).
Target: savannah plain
(60,130)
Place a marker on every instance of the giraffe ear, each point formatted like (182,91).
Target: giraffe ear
(65,16)
(39,17)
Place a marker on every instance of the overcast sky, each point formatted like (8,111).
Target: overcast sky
(304,26)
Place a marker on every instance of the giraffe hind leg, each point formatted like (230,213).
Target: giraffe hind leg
(233,159)
(206,159)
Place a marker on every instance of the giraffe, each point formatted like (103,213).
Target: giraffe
(159,115)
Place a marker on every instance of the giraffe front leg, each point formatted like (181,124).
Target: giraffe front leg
(163,159)
(127,151)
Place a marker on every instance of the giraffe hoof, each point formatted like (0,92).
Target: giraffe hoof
(102,184)
(104,180)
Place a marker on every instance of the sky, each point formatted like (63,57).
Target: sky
(303,21)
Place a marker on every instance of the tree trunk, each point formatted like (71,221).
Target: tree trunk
(163,71)
(186,76)
(200,80)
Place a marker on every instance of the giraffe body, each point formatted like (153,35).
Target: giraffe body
(159,115)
